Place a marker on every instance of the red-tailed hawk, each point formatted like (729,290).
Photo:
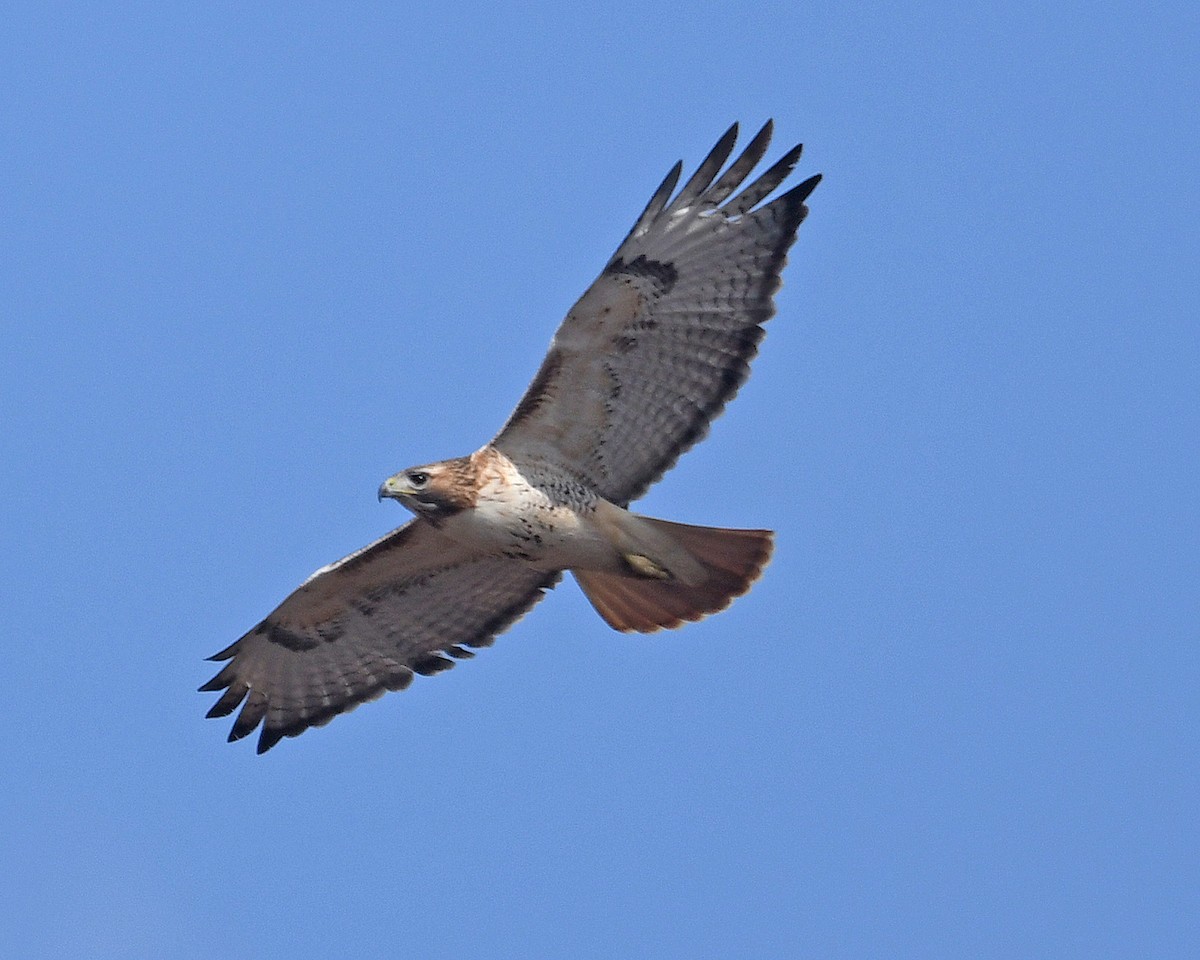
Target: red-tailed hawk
(637,370)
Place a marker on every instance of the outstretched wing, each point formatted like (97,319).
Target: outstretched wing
(365,625)
(662,340)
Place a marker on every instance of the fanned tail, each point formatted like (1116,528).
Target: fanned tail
(732,561)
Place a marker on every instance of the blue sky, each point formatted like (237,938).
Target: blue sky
(255,260)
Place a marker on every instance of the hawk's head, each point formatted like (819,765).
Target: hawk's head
(434,490)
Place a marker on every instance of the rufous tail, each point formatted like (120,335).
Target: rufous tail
(732,561)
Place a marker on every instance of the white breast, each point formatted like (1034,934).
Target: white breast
(536,515)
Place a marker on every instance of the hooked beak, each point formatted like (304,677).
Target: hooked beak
(394,488)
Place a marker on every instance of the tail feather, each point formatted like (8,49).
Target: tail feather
(732,561)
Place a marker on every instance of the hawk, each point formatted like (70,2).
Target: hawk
(646,358)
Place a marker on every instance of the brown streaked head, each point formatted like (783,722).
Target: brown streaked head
(433,490)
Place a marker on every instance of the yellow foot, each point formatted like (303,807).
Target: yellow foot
(645,567)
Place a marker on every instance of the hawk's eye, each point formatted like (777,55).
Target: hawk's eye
(418,478)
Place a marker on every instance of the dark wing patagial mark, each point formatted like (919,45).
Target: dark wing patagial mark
(734,343)
(647,358)
(412,602)
(657,346)
(540,391)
